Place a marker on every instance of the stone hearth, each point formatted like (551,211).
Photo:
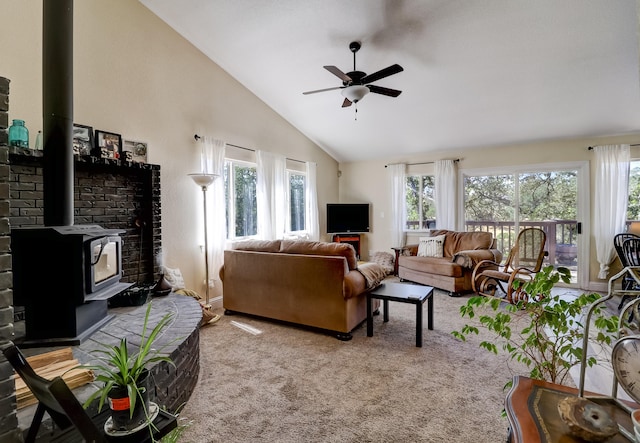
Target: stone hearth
(171,386)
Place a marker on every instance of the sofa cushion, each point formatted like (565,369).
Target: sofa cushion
(431,246)
(257,245)
(431,265)
(321,248)
(456,241)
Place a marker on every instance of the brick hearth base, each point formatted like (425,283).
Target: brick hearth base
(171,386)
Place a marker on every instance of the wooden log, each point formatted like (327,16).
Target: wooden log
(50,365)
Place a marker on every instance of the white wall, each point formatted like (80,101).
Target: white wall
(368,181)
(135,76)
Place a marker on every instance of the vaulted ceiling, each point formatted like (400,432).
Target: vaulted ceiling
(476,73)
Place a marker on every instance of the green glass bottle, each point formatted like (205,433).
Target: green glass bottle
(18,134)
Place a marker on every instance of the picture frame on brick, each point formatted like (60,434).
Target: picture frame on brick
(107,144)
(82,139)
(134,151)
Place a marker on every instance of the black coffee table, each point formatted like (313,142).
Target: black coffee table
(403,293)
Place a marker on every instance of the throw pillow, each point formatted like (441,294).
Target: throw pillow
(431,246)
(173,277)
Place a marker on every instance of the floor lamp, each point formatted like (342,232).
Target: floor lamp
(204,180)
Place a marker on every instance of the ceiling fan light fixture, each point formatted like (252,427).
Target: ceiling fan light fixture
(355,93)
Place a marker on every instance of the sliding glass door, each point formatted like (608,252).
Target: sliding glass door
(547,197)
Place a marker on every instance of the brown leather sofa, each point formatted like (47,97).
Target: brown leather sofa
(451,272)
(316,284)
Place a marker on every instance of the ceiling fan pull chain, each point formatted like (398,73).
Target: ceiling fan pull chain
(356,113)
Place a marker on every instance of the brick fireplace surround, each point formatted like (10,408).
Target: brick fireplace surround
(106,193)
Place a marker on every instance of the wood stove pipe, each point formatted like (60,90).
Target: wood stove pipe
(57,110)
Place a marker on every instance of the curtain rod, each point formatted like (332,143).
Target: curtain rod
(197,137)
(421,163)
(590,148)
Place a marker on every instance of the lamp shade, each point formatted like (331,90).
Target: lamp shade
(355,93)
(202,179)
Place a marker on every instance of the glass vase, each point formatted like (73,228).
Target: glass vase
(18,134)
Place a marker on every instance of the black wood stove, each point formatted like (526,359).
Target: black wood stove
(63,276)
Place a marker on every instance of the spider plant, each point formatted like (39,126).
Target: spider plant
(118,367)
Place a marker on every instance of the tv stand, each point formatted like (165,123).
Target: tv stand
(352,239)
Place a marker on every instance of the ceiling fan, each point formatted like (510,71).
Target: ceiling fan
(356,84)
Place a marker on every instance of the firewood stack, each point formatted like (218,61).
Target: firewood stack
(50,365)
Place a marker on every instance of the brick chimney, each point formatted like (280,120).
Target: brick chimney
(9,431)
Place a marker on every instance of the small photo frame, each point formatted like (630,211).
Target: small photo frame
(108,144)
(134,151)
(82,139)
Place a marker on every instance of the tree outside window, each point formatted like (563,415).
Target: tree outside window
(240,194)
(419,202)
(633,207)
(297,201)
(489,198)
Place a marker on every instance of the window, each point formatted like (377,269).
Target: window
(242,209)
(297,201)
(547,198)
(419,203)
(633,206)
(240,186)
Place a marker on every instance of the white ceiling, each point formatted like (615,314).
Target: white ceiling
(476,72)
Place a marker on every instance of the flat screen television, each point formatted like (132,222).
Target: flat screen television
(347,217)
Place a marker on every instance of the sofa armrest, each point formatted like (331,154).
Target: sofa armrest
(470,258)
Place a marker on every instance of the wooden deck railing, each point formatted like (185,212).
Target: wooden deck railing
(561,237)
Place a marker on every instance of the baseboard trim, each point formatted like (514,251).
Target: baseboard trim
(216,302)
(597,286)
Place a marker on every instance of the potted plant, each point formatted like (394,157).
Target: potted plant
(123,376)
(543,331)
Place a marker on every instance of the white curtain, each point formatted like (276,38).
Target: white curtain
(445,194)
(212,162)
(271,195)
(397,177)
(311,216)
(611,194)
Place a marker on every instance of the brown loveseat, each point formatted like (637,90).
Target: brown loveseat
(451,272)
(315,284)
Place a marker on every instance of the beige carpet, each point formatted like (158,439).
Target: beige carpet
(292,385)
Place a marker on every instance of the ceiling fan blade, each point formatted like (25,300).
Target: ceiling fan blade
(384,91)
(346,103)
(323,90)
(386,72)
(338,73)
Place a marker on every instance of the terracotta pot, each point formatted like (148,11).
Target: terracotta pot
(120,406)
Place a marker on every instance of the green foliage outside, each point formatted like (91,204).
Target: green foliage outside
(297,202)
(246,203)
(241,180)
(633,207)
(545,332)
(489,198)
(542,196)
(419,201)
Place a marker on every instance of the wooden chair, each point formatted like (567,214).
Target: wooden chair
(523,262)
(628,283)
(55,398)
